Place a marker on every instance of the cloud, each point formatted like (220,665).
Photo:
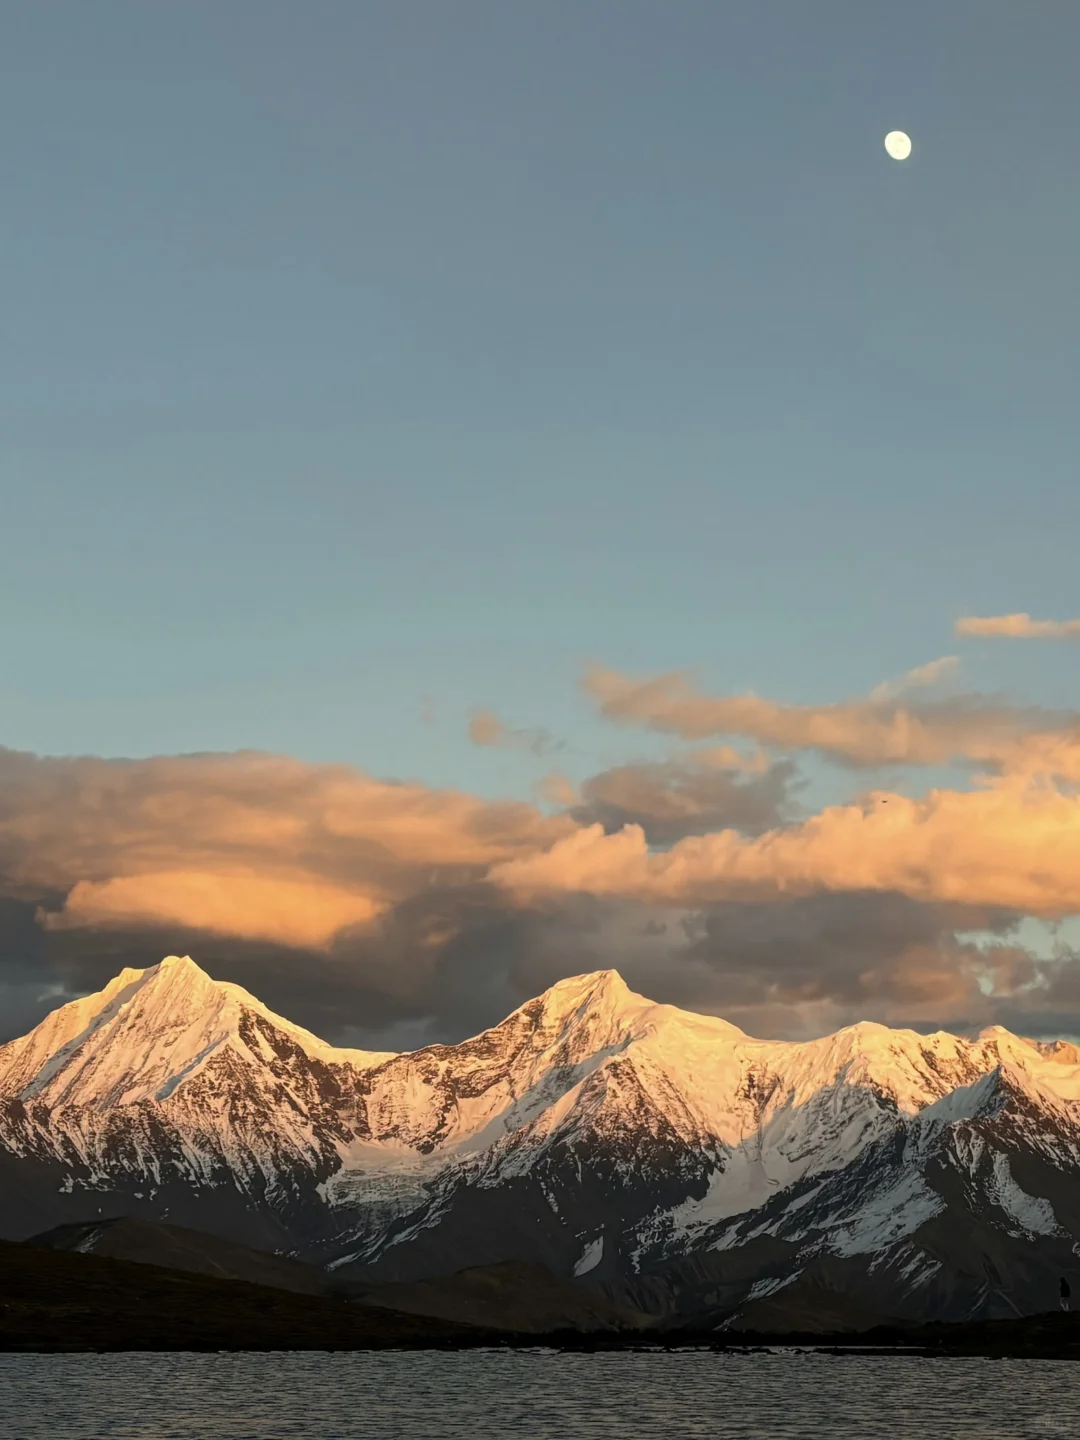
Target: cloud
(923,675)
(806,965)
(385,913)
(448,961)
(254,907)
(726,757)
(1018,627)
(248,845)
(881,729)
(486,729)
(1013,845)
(675,798)
(558,789)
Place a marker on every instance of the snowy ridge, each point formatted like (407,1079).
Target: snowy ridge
(166,1072)
(141,1037)
(641,1133)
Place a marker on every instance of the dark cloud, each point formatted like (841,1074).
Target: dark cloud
(1052,1010)
(675,798)
(446,963)
(811,964)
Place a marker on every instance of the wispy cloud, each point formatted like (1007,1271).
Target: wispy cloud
(487,730)
(1018,627)
(891,726)
(727,757)
(922,677)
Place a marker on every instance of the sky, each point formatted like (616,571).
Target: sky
(385,385)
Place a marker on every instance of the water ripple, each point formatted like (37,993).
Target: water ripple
(541,1395)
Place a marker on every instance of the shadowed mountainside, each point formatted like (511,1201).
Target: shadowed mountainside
(507,1297)
(510,1296)
(54,1300)
(173,1247)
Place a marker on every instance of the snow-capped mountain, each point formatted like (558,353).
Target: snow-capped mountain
(675,1161)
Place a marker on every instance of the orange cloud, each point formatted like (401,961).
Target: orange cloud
(246,844)
(252,907)
(1018,627)
(558,789)
(403,886)
(885,728)
(726,757)
(1011,845)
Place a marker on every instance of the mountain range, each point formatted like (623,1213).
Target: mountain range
(663,1158)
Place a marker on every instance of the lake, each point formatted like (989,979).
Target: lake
(541,1394)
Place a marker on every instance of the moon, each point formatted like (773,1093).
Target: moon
(898,144)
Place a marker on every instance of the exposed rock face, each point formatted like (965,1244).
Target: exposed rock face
(679,1164)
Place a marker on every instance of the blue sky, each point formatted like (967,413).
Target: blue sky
(360,353)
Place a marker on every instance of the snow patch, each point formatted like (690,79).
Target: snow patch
(888,1215)
(770,1285)
(590,1256)
(1033,1214)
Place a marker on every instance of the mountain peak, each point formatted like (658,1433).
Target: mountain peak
(142,1035)
(178,962)
(165,972)
(595,986)
(176,974)
(599,997)
(592,1128)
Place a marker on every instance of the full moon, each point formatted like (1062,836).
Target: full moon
(898,144)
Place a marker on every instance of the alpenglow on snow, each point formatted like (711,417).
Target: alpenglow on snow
(664,1156)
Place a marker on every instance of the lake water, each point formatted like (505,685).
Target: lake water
(541,1395)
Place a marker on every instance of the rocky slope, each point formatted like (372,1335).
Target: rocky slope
(682,1166)
(172,1247)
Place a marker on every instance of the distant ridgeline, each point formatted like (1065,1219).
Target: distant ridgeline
(663,1158)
